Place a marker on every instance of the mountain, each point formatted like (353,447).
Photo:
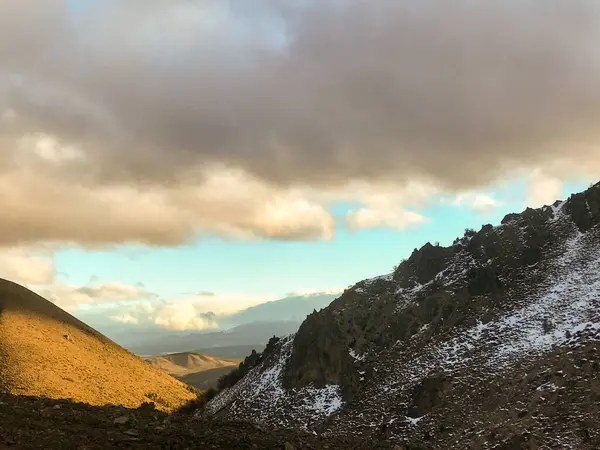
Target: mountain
(232,352)
(491,342)
(46,352)
(188,362)
(254,335)
(290,309)
(196,369)
(250,327)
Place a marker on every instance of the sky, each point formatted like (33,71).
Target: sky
(166,159)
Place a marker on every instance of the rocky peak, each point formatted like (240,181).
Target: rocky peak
(584,208)
(423,265)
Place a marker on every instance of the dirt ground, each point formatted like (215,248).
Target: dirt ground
(37,423)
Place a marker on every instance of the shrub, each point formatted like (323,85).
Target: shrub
(470,232)
(158,400)
(198,403)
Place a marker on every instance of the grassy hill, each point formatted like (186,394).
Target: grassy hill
(46,352)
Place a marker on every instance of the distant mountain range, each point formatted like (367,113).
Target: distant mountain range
(240,332)
(290,309)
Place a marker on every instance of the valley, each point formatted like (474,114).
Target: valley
(199,370)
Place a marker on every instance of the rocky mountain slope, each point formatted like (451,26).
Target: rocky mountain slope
(45,351)
(490,343)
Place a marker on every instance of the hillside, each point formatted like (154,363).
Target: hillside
(46,352)
(489,343)
(188,362)
(196,369)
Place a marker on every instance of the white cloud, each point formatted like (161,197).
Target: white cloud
(186,312)
(43,207)
(114,291)
(127,319)
(72,298)
(26,266)
(478,202)
(307,292)
(386,205)
(145,132)
(543,189)
(382,217)
(183,316)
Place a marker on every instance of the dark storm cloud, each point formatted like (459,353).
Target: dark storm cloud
(314,92)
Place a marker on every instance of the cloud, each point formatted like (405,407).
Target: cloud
(26,266)
(544,189)
(312,292)
(320,91)
(126,319)
(72,298)
(384,218)
(115,292)
(187,312)
(40,207)
(36,270)
(230,117)
(478,202)
(190,313)
(206,294)
(184,316)
(385,206)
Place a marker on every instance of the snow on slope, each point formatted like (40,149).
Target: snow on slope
(298,408)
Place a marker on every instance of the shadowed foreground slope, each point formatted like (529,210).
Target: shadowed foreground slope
(34,423)
(46,352)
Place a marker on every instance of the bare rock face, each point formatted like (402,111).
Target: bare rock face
(423,265)
(320,355)
(428,394)
(584,208)
(491,341)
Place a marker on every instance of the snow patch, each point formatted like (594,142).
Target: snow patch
(323,402)
(355,355)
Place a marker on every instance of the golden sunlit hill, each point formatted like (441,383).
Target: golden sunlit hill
(46,352)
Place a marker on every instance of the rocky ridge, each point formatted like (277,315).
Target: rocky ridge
(489,343)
